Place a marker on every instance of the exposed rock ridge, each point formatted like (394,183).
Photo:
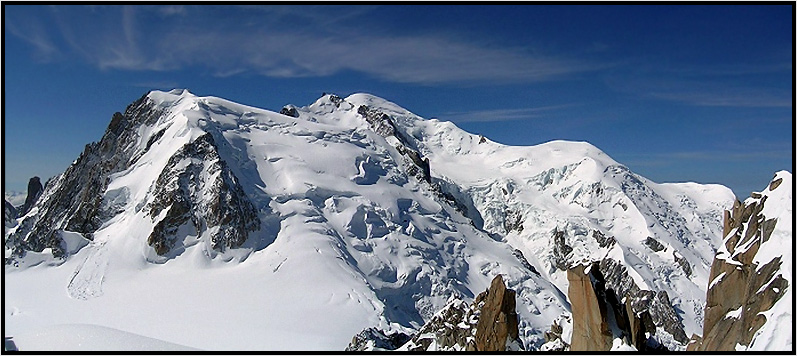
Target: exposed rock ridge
(384,126)
(740,287)
(489,323)
(653,307)
(375,339)
(498,322)
(196,186)
(601,314)
(414,163)
(72,201)
(205,200)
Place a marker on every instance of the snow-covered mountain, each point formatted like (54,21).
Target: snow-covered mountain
(205,223)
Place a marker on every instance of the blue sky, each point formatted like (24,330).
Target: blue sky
(676,93)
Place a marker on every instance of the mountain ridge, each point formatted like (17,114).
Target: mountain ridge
(400,211)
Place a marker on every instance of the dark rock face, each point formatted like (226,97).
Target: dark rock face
(72,201)
(490,323)
(34,192)
(77,201)
(519,255)
(513,221)
(654,244)
(561,250)
(289,111)
(335,99)
(739,288)
(413,162)
(373,339)
(416,165)
(683,263)
(379,121)
(653,307)
(603,240)
(188,197)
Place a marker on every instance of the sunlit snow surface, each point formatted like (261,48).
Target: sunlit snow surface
(348,240)
(776,334)
(79,337)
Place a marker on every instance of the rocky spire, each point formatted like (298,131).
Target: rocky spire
(34,191)
(498,322)
(744,285)
(490,323)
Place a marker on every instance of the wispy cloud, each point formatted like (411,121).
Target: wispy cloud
(171,10)
(729,97)
(760,85)
(290,42)
(499,115)
(34,33)
(714,156)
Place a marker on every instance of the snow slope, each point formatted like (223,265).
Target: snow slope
(576,188)
(776,333)
(350,238)
(81,337)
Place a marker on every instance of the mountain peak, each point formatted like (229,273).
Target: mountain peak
(388,214)
(162,98)
(375,102)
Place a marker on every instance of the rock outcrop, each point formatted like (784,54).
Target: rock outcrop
(374,339)
(72,201)
(590,313)
(561,250)
(653,308)
(383,125)
(35,189)
(747,276)
(490,323)
(654,244)
(196,186)
(554,339)
(602,315)
(289,110)
(498,322)
(205,201)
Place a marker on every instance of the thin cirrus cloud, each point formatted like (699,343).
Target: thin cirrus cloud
(35,34)
(133,38)
(729,86)
(703,157)
(728,97)
(499,115)
(423,60)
